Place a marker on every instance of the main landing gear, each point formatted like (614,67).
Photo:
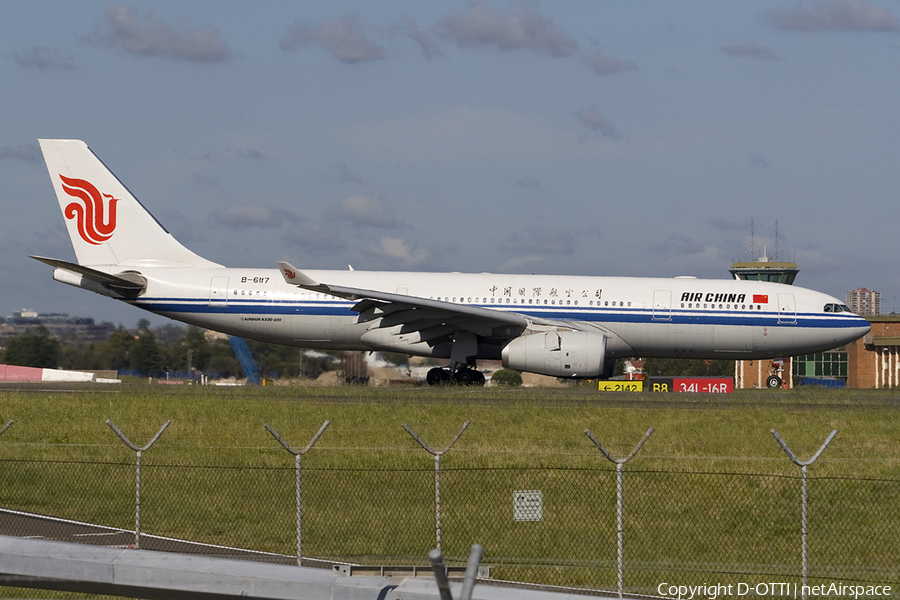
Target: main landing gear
(462,375)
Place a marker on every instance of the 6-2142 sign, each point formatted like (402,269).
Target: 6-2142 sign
(621,386)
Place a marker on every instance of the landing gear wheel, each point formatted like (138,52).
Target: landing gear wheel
(437,376)
(774,381)
(465,377)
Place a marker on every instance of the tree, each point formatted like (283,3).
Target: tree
(34,348)
(195,343)
(222,361)
(115,352)
(507,377)
(146,354)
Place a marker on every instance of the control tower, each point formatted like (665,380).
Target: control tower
(764,269)
(746,373)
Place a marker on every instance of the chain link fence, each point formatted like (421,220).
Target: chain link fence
(679,527)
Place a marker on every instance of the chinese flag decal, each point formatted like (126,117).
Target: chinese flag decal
(760,298)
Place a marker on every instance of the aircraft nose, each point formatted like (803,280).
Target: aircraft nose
(856,331)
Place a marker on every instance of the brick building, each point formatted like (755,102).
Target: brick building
(874,360)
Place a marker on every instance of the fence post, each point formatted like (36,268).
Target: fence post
(297,454)
(440,573)
(437,473)
(803,498)
(139,450)
(620,511)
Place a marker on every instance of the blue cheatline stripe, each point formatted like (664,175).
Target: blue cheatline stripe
(568,313)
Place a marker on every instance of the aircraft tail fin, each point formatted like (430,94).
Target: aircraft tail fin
(106,223)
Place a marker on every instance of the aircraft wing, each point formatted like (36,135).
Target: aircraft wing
(432,319)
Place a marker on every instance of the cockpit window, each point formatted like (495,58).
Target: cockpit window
(837,308)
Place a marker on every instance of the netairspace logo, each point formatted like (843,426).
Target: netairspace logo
(770,589)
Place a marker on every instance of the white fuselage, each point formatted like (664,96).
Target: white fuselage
(647,317)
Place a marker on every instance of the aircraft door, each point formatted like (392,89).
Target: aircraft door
(662,305)
(218,291)
(787,309)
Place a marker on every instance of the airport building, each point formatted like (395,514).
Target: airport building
(872,362)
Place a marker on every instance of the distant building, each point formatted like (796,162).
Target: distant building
(864,301)
(59,325)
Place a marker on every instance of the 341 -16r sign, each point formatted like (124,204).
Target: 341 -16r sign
(696,385)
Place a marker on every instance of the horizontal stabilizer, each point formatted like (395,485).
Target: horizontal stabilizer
(128,283)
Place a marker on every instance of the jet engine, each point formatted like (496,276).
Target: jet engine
(557,353)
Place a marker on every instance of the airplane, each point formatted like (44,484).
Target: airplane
(558,325)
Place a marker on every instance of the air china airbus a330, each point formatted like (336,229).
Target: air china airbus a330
(564,326)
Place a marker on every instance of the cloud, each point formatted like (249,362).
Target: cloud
(596,124)
(40,57)
(541,241)
(843,15)
(244,216)
(688,255)
(723,224)
(529,183)
(476,133)
(317,238)
(179,226)
(607,65)
(343,38)
(363,210)
(27,152)
(341,172)
(398,250)
(252,153)
(151,37)
(205,181)
(521,263)
(52,242)
(525,30)
(678,245)
(757,161)
(750,51)
(426,44)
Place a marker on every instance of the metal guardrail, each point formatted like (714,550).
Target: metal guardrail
(168,576)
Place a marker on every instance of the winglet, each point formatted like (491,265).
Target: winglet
(293,276)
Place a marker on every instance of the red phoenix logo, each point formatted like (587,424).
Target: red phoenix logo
(290,274)
(94,225)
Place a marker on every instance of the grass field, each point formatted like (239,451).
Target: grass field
(710,492)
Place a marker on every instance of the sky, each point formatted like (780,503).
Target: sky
(644,138)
